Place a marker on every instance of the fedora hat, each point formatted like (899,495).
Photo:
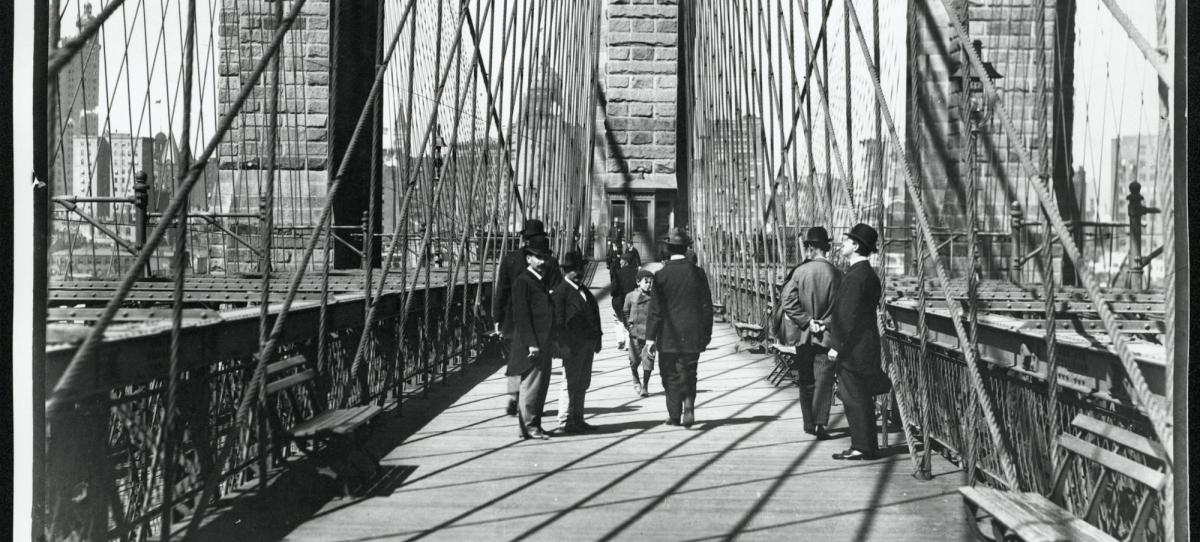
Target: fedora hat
(572,260)
(865,236)
(539,246)
(533,227)
(816,235)
(679,237)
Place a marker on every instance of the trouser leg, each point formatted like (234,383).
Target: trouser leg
(672,384)
(824,372)
(578,371)
(860,411)
(688,364)
(805,381)
(535,382)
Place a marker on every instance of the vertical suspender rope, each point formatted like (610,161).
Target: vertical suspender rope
(168,454)
(923,221)
(1166,144)
(1154,409)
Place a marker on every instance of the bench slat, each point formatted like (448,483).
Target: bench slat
(1121,436)
(1119,464)
(341,421)
(784,348)
(290,381)
(1032,517)
(285,364)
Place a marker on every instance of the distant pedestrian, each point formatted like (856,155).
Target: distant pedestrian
(856,342)
(807,301)
(624,282)
(510,267)
(578,340)
(679,326)
(637,305)
(534,328)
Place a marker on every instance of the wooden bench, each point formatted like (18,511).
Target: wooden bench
(1034,517)
(750,337)
(719,312)
(785,360)
(334,438)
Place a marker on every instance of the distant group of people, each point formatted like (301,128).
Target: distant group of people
(544,311)
(830,317)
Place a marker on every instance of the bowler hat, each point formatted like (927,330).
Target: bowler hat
(678,236)
(644,274)
(539,246)
(533,227)
(865,235)
(816,235)
(572,260)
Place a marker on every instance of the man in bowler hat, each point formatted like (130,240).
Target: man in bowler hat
(534,329)
(856,342)
(807,302)
(509,268)
(679,326)
(578,340)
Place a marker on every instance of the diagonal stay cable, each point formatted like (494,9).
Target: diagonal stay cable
(66,389)
(1154,409)
(922,213)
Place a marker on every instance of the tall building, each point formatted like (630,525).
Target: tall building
(78,96)
(92,172)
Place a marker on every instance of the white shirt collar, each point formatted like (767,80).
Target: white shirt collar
(678,256)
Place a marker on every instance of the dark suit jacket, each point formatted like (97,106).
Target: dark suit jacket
(579,317)
(807,295)
(533,321)
(853,323)
(624,282)
(680,318)
(512,266)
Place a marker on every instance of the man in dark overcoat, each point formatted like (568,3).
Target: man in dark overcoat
(807,302)
(507,270)
(679,326)
(856,342)
(534,329)
(579,339)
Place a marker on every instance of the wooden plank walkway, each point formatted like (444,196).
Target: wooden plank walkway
(744,471)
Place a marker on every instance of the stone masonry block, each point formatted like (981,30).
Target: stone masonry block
(643,38)
(623,95)
(640,110)
(664,138)
(620,25)
(642,82)
(643,12)
(617,110)
(641,138)
(664,166)
(667,81)
(618,53)
(641,67)
(664,110)
(641,53)
(642,124)
(666,53)
(667,25)
(643,25)
(649,152)
(618,81)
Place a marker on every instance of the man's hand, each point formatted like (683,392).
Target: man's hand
(816,326)
(832,354)
(648,351)
(534,351)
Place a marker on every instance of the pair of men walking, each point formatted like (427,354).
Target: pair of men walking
(830,319)
(545,311)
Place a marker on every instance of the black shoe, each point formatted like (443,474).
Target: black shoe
(854,455)
(585,426)
(568,429)
(671,422)
(512,407)
(809,431)
(537,433)
(821,433)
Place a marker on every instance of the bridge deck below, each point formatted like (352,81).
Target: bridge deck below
(745,470)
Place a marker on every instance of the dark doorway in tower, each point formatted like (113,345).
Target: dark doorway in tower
(641,221)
